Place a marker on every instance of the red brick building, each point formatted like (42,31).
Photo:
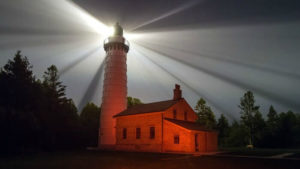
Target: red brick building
(166,126)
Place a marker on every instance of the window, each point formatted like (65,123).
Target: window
(185,115)
(152,132)
(176,139)
(138,133)
(174,114)
(124,133)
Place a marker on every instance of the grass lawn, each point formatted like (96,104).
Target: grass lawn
(130,160)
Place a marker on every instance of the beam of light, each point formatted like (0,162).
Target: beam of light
(187,85)
(80,59)
(34,31)
(91,21)
(65,12)
(185,6)
(133,36)
(239,84)
(225,59)
(91,89)
(142,75)
(37,41)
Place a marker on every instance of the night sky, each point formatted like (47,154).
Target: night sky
(216,49)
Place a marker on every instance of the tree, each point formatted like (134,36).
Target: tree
(17,83)
(223,128)
(272,117)
(270,136)
(60,119)
(287,129)
(205,115)
(237,135)
(17,104)
(259,127)
(248,111)
(52,83)
(90,118)
(131,101)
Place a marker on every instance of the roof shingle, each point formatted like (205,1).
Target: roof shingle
(188,125)
(147,108)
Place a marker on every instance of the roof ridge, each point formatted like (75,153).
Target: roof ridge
(148,107)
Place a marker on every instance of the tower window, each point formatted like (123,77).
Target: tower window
(185,115)
(124,133)
(138,133)
(176,139)
(152,132)
(174,114)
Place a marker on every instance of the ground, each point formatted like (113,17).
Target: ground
(130,160)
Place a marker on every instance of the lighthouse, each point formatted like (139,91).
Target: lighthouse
(114,98)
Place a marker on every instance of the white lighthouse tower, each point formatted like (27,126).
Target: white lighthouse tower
(114,98)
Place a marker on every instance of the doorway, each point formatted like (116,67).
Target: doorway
(196,143)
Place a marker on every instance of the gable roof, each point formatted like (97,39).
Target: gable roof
(148,108)
(188,125)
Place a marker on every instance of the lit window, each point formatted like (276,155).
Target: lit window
(138,133)
(174,114)
(124,133)
(176,139)
(152,132)
(185,115)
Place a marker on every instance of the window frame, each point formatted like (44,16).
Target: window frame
(176,139)
(124,133)
(152,132)
(138,133)
(174,114)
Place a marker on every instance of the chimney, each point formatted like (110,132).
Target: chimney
(177,92)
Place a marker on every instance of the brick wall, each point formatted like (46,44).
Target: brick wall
(207,141)
(185,138)
(143,121)
(181,107)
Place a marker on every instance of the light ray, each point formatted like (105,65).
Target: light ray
(92,87)
(239,84)
(185,6)
(224,59)
(187,85)
(91,21)
(78,60)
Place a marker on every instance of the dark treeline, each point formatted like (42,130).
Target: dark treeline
(36,115)
(278,130)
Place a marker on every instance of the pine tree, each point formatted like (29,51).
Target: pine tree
(61,118)
(17,103)
(17,83)
(223,128)
(272,117)
(259,127)
(248,111)
(206,116)
(54,86)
